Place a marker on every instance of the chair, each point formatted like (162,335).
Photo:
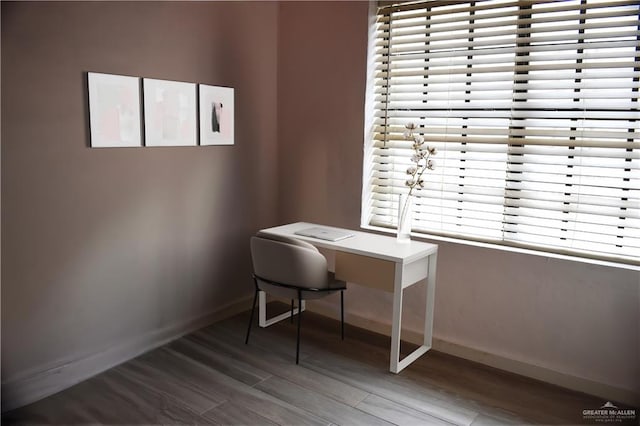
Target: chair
(293,269)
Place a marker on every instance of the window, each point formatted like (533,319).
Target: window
(533,107)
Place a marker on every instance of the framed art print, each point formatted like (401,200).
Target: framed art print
(169,113)
(114,110)
(216,115)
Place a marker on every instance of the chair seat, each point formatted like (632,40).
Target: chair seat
(333,285)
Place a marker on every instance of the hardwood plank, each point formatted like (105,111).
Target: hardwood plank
(230,413)
(188,374)
(151,407)
(154,376)
(284,368)
(281,343)
(394,390)
(316,403)
(186,370)
(396,413)
(485,420)
(60,408)
(252,399)
(232,367)
(109,398)
(276,411)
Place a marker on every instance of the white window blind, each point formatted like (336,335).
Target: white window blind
(533,107)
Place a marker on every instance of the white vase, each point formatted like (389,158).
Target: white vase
(405,210)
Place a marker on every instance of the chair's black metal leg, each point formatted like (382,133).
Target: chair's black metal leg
(253,308)
(342,314)
(291,311)
(299,317)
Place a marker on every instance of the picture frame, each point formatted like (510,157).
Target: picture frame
(114,110)
(169,113)
(217,123)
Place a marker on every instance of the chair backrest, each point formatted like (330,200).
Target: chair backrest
(288,261)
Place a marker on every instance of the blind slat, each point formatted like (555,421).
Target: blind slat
(426,10)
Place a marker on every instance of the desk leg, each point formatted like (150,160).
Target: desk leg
(262,308)
(395,364)
(396,321)
(262,311)
(431,293)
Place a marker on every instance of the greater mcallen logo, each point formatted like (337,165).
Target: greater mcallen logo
(609,413)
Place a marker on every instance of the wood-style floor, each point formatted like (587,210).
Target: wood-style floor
(211,377)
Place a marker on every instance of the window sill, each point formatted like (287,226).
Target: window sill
(421,236)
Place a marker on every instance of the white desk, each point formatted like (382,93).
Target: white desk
(380,262)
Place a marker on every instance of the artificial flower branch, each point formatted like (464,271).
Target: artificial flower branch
(422,158)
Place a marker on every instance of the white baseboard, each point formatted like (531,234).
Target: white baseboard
(41,382)
(602,390)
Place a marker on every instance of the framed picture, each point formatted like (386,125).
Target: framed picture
(216,115)
(169,113)
(114,110)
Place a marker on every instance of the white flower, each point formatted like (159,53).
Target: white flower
(407,134)
(432,150)
(431,164)
(418,139)
(410,126)
(412,170)
(416,158)
(410,183)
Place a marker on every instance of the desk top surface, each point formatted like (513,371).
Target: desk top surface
(364,243)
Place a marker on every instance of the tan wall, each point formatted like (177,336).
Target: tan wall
(574,318)
(321,86)
(103,246)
